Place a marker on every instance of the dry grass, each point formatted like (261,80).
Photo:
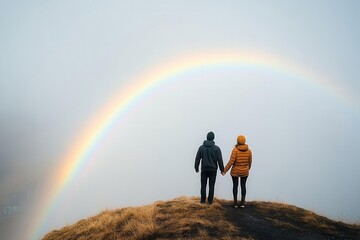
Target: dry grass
(181,218)
(134,223)
(185,218)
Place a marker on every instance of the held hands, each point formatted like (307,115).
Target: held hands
(222,173)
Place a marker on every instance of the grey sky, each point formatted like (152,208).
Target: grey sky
(61,61)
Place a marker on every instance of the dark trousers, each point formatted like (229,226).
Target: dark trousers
(205,175)
(236,186)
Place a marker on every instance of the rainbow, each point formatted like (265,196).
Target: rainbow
(78,155)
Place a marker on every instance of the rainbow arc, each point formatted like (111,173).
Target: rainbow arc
(97,128)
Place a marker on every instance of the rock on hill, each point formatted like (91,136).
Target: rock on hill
(186,218)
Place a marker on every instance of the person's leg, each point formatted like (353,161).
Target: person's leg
(243,190)
(203,186)
(243,185)
(235,188)
(212,179)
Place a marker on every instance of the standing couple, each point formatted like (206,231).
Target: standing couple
(210,157)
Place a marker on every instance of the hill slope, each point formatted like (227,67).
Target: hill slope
(186,218)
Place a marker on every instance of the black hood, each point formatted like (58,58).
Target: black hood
(208,143)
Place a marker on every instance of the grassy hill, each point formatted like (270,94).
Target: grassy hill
(186,218)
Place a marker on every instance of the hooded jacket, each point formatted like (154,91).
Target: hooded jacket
(240,160)
(211,157)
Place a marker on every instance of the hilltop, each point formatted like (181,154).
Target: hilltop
(186,218)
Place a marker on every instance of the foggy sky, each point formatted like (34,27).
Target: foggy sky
(60,62)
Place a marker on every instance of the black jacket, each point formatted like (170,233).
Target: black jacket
(211,157)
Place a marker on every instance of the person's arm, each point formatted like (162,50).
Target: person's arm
(197,160)
(250,159)
(220,161)
(231,161)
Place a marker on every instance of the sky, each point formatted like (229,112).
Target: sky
(61,63)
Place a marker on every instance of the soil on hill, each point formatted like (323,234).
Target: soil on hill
(265,220)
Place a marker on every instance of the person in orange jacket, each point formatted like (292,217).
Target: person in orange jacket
(240,163)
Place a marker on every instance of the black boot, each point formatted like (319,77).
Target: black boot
(235,202)
(242,202)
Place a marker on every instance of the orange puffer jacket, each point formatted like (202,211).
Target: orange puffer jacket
(240,160)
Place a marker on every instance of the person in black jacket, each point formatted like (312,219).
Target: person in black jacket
(210,157)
